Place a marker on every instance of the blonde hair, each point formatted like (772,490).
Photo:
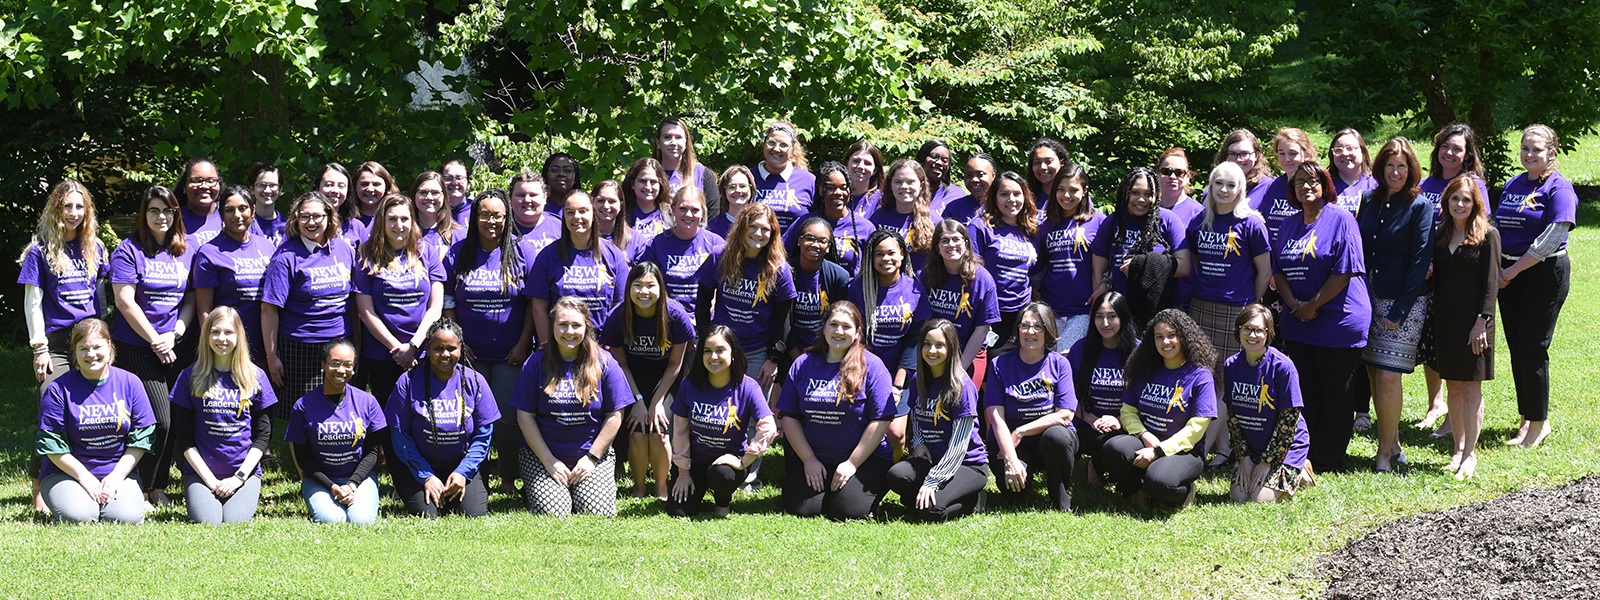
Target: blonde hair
(376,254)
(771,258)
(919,237)
(205,375)
(1241,208)
(1536,129)
(51,237)
(797,151)
(1299,138)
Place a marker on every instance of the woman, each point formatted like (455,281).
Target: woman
(865,163)
(1536,211)
(1064,276)
(951,487)
(1097,362)
(535,226)
(228,270)
(434,218)
(1029,400)
(221,424)
(61,271)
(739,185)
(150,284)
(1140,242)
(642,198)
(1318,267)
(399,289)
(333,181)
(978,173)
(1242,148)
(199,189)
(373,182)
(680,253)
(848,227)
(904,209)
(961,291)
(581,265)
(305,297)
(1348,152)
(1171,398)
(335,431)
(752,288)
(1455,154)
(442,418)
(1045,161)
(266,182)
(783,183)
(894,304)
(562,174)
(608,219)
(937,160)
(1396,235)
(674,149)
(1172,171)
(458,189)
(1233,259)
(720,426)
(818,282)
(835,411)
(94,425)
(649,334)
(1004,238)
(1292,147)
(1264,425)
(1466,266)
(569,400)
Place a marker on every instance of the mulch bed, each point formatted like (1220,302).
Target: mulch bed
(1536,543)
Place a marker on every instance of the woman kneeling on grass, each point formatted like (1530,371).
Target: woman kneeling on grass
(220,423)
(1171,398)
(1265,429)
(720,426)
(1029,399)
(944,428)
(443,417)
(334,430)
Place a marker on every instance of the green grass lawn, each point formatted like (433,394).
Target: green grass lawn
(1104,550)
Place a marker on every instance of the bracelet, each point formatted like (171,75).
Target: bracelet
(592,458)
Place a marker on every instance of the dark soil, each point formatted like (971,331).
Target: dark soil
(1537,543)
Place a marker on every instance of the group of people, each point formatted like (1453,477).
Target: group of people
(890,329)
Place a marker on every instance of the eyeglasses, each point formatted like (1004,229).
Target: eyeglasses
(811,239)
(1233,155)
(161,212)
(1030,327)
(492,218)
(341,364)
(267,187)
(1253,331)
(737,186)
(1171,172)
(311,217)
(1306,184)
(455,178)
(430,194)
(204,181)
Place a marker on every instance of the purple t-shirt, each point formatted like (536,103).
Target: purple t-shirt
(676,182)
(1350,193)
(1224,255)
(1187,211)
(644,348)
(1258,402)
(71,296)
(647,225)
(1432,190)
(720,224)
(944,195)
(1026,391)
(353,232)
(1173,396)
(745,305)
(787,192)
(462,212)
(1307,255)
(159,285)
(222,420)
(312,287)
(600,281)
(680,262)
(964,210)
(886,217)
(567,423)
(865,204)
(336,433)
(459,410)
(966,305)
(814,291)
(198,230)
(532,240)
(720,419)
(899,307)
(274,228)
(1066,269)
(833,425)
(1106,383)
(490,312)
(1009,256)
(400,297)
(95,417)
(235,270)
(850,232)
(1273,204)
(937,424)
(1109,245)
(1528,207)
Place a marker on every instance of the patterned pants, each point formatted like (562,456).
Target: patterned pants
(595,495)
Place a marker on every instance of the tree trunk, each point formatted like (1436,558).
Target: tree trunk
(1441,111)
(1495,151)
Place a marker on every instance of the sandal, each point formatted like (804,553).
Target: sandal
(1363,422)
(1219,459)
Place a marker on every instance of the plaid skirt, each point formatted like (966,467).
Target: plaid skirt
(1397,349)
(1218,320)
(302,372)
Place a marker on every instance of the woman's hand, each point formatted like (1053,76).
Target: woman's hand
(769,371)
(1144,457)
(1016,475)
(1016,437)
(558,471)
(925,498)
(162,346)
(432,491)
(41,366)
(1305,311)
(92,486)
(921,451)
(842,475)
(227,487)
(404,355)
(275,370)
(110,486)
(816,475)
(1478,339)
(1107,424)
(682,488)
(1390,325)
(580,471)
(1124,267)
(730,460)
(1506,275)
(635,418)
(344,493)
(663,419)
(455,488)
(518,353)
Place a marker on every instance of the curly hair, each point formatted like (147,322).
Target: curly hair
(920,235)
(1471,162)
(1154,228)
(1193,342)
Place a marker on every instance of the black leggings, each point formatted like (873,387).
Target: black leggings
(1090,441)
(1054,451)
(156,467)
(474,503)
(1529,307)
(1325,378)
(720,480)
(954,499)
(1167,479)
(855,500)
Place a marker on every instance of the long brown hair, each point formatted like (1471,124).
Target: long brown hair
(621,232)
(853,369)
(685,165)
(1028,219)
(446,226)
(1477,223)
(934,272)
(51,238)
(955,377)
(1400,147)
(587,367)
(376,254)
(771,258)
(1053,211)
(1256,173)
(330,227)
(174,243)
(919,237)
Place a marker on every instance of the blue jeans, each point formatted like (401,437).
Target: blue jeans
(324,509)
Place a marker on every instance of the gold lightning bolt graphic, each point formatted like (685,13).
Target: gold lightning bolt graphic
(1531,202)
(1310,248)
(732,420)
(1264,400)
(1233,244)
(1177,400)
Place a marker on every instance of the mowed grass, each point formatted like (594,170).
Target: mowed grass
(1105,550)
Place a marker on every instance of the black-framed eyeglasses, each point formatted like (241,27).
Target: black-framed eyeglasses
(161,212)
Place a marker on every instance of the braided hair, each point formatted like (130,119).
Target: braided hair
(467,389)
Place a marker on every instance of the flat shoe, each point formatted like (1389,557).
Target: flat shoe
(1363,423)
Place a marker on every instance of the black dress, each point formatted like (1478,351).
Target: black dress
(1465,284)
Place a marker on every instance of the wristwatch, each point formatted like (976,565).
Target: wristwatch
(241,475)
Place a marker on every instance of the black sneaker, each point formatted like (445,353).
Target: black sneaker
(159,499)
